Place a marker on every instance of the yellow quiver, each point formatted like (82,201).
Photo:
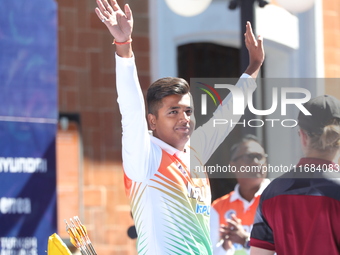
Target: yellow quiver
(56,246)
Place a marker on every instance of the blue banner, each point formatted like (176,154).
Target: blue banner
(28,123)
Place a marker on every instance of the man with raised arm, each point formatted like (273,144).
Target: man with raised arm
(170,200)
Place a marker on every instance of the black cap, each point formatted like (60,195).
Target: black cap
(323,109)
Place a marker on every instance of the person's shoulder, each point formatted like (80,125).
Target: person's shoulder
(284,184)
(277,186)
(221,200)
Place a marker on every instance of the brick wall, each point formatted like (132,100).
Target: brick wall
(331,13)
(331,26)
(87,87)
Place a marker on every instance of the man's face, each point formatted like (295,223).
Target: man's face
(249,155)
(175,121)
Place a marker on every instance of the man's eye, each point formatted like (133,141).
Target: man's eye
(173,112)
(189,112)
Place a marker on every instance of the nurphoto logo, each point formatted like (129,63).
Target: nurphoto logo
(280,98)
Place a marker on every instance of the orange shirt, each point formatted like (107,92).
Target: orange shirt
(233,203)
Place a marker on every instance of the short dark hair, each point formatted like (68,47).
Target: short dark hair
(164,87)
(245,138)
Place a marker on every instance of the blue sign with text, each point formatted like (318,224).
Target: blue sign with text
(28,124)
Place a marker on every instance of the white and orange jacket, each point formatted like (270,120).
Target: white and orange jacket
(170,201)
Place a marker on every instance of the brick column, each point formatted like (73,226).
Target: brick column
(87,87)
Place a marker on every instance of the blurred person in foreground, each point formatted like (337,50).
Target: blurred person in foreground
(232,215)
(170,201)
(298,212)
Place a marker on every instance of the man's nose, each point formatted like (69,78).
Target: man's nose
(184,117)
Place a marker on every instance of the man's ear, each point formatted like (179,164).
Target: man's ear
(152,121)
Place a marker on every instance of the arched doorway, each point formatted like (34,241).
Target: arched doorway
(209,60)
